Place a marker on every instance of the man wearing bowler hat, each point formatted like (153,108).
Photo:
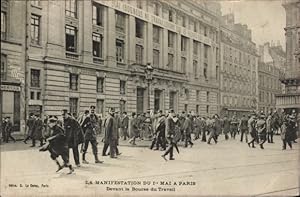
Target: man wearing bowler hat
(111,133)
(74,134)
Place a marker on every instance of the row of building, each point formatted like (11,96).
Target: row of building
(73,54)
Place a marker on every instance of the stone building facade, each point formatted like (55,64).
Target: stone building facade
(12,94)
(290,99)
(270,70)
(239,66)
(83,53)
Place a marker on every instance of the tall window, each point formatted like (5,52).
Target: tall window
(157,101)
(156,9)
(187,94)
(100,84)
(3,25)
(172,100)
(195,47)
(156,34)
(73,106)
(217,72)
(206,47)
(183,21)
(120,21)
(195,68)
(205,70)
(171,39)
(73,81)
(122,87)
(171,17)
(170,60)
(207,109)
(71,39)
(120,50)
(207,96)
(35,29)
(183,43)
(139,54)
(205,31)
(139,4)
(155,58)
(97,15)
(197,109)
(183,64)
(3,67)
(197,95)
(71,8)
(97,45)
(139,28)
(35,78)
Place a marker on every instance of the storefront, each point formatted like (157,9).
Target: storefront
(11,103)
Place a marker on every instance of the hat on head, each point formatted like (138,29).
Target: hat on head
(111,110)
(159,111)
(52,119)
(86,111)
(92,107)
(64,111)
(171,111)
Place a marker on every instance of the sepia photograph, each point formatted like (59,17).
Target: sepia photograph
(150,98)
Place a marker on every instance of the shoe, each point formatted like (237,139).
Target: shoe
(164,157)
(78,165)
(283,148)
(25,142)
(261,146)
(295,141)
(248,145)
(85,162)
(59,168)
(114,157)
(172,158)
(98,161)
(104,155)
(71,171)
(119,154)
(253,147)
(32,146)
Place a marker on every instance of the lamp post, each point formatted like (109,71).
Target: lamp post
(149,76)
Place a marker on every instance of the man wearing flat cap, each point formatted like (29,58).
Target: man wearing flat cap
(261,129)
(74,134)
(111,133)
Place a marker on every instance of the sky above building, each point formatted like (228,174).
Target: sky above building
(266,18)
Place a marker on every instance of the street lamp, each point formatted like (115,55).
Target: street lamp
(149,76)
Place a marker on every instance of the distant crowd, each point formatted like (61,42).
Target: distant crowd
(164,131)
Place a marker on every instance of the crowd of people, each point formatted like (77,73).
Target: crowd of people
(164,131)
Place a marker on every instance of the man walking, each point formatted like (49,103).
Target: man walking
(261,129)
(252,130)
(187,128)
(124,126)
(243,127)
(37,133)
(89,129)
(170,132)
(111,133)
(7,129)
(74,135)
(30,127)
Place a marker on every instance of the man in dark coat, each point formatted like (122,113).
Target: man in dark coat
(58,145)
(214,128)
(170,132)
(181,122)
(124,126)
(243,126)
(187,128)
(159,133)
(111,132)
(233,126)
(7,129)
(30,127)
(89,126)
(74,135)
(226,127)
(286,134)
(37,133)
